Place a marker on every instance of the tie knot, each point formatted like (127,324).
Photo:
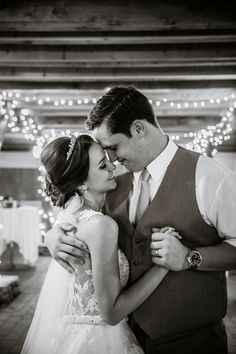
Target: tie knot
(145,175)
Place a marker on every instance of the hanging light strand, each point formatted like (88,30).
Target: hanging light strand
(20,98)
(20,119)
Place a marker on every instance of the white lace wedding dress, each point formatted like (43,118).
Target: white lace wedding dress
(67,319)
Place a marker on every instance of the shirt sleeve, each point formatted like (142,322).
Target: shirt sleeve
(216,197)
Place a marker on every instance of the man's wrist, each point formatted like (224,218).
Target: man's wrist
(193,259)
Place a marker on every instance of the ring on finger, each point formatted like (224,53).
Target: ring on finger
(156,253)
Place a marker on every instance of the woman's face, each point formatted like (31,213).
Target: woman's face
(100,177)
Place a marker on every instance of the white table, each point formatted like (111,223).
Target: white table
(21,225)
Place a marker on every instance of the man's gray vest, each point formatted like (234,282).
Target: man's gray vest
(184,300)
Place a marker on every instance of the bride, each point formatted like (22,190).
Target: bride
(85,312)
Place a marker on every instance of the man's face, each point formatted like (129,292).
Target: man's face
(126,150)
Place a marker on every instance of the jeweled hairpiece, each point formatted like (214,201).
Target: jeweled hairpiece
(71,147)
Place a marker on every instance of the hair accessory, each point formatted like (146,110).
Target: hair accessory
(48,178)
(71,147)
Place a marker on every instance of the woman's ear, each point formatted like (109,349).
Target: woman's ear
(83,188)
(137,128)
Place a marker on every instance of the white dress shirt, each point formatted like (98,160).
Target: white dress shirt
(215,191)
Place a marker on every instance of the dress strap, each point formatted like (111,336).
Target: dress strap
(88,213)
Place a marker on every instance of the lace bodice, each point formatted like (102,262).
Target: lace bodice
(72,323)
(82,298)
(82,303)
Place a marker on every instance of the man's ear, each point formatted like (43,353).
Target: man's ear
(137,128)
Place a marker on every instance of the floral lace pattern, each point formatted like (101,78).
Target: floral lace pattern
(82,330)
(82,297)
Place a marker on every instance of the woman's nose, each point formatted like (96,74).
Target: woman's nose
(111,166)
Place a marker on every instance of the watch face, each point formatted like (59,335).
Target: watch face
(194,259)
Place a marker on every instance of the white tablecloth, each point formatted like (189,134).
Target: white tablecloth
(21,225)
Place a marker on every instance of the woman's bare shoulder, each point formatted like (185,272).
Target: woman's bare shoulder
(99,225)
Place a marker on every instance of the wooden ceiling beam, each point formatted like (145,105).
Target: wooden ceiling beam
(172,94)
(93,62)
(16,142)
(185,51)
(114,71)
(116,53)
(115,78)
(144,85)
(183,123)
(179,122)
(80,40)
(112,16)
(173,112)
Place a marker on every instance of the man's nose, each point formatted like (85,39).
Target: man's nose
(112,155)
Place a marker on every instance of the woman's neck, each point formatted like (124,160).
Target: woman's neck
(94,202)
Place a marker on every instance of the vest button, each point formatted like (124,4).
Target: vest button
(135,263)
(137,240)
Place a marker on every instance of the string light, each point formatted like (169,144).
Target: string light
(212,135)
(22,120)
(14,96)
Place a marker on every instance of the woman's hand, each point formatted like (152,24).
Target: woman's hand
(66,248)
(167,250)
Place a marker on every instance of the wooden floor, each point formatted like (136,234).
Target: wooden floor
(16,317)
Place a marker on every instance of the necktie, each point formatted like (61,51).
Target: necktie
(144,196)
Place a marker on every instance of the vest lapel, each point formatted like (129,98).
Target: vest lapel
(151,211)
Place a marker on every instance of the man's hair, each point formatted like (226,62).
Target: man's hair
(119,108)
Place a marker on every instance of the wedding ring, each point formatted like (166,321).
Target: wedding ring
(156,253)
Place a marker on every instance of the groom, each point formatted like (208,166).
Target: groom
(187,191)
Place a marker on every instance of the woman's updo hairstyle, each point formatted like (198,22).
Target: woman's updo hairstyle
(65,173)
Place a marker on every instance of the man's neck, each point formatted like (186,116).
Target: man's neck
(155,149)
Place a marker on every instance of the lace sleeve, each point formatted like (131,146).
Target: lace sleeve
(65,217)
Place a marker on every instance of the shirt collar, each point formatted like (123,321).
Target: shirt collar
(159,165)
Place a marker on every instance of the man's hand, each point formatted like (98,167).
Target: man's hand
(66,249)
(167,250)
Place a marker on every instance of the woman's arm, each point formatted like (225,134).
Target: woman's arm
(114,303)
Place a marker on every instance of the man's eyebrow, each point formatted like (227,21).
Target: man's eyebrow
(111,146)
(102,145)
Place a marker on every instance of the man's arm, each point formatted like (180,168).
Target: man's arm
(66,248)
(216,198)
(219,257)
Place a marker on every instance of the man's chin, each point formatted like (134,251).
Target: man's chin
(114,185)
(132,168)
(125,164)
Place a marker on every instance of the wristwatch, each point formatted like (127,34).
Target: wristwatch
(194,258)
